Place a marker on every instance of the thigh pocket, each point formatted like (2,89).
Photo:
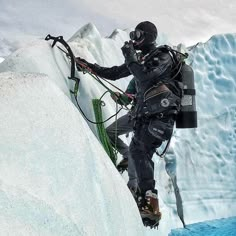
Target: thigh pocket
(159,129)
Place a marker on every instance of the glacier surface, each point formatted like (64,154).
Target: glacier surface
(55,177)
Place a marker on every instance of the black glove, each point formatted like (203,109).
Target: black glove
(121,99)
(129,53)
(81,63)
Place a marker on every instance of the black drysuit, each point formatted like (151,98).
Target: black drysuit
(144,144)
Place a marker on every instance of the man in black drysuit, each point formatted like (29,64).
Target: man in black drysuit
(155,109)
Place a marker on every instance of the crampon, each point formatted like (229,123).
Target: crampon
(152,223)
(150,220)
(121,169)
(122,166)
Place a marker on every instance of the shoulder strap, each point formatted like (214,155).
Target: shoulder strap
(167,49)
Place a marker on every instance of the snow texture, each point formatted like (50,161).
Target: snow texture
(222,227)
(56,178)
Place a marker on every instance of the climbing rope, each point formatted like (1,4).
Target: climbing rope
(97,103)
(102,134)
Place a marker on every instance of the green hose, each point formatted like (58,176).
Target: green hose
(97,103)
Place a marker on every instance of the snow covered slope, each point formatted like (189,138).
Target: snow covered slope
(205,167)
(55,178)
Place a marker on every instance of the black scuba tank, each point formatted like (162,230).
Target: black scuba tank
(187,117)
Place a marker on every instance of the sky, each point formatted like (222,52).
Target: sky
(185,21)
(64,165)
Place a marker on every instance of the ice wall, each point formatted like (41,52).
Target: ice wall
(55,177)
(206,164)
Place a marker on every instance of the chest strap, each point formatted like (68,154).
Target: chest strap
(155,91)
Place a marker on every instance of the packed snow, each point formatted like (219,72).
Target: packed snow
(55,176)
(53,169)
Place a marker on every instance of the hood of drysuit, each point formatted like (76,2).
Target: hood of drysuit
(147,40)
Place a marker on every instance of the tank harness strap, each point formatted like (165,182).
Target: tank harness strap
(190,92)
(155,91)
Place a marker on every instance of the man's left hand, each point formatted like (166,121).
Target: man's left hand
(129,52)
